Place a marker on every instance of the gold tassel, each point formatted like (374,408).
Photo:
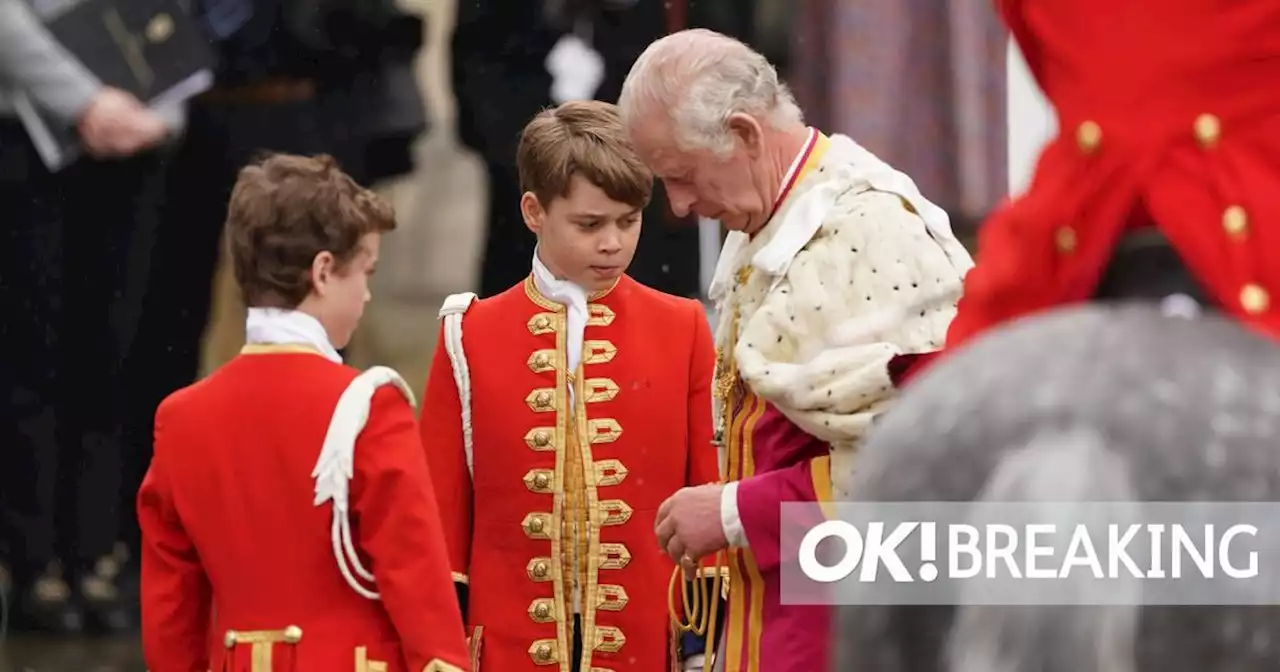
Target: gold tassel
(701,606)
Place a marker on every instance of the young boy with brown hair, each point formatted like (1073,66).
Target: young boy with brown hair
(284,461)
(559,414)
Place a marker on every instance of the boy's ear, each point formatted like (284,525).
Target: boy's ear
(532,212)
(322,269)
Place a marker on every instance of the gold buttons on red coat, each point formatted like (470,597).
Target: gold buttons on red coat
(539,568)
(1254,299)
(1065,239)
(1235,221)
(540,611)
(543,651)
(1207,129)
(1089,136)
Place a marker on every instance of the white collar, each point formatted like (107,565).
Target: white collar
(278,326)
(573,298)
(795,166)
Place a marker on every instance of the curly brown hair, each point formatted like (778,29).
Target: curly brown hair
(285,210)
(581,138)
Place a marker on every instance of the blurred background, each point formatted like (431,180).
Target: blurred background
(115,294)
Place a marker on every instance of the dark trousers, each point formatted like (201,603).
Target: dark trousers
(112,216)
(222,137)
(73,268)
(31,293)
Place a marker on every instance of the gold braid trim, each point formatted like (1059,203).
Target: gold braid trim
(437,665)
(701,605)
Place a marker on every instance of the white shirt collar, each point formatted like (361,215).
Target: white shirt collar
(573,298)
(278,326)
(795,165)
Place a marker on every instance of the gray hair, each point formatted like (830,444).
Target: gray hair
(702,78)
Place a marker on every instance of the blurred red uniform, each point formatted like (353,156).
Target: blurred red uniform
(232,533)
(1171,118)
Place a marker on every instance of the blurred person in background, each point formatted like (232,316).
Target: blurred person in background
(920,83)
(502,76)
(69,246)
(294,77)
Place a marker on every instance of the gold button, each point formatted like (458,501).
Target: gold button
(160,28)
(1254,299)
(540,570)
(543,652)
(541,481)
(1065,239)
(1089,136)
(1235,220)
(541,361)
(541,439)
(543,399)
(542,322)
(542,610)
(229,640)
(292,634)
(1208,129)
(535,525)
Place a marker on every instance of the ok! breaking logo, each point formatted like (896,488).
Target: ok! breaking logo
(921,553)
(1026,552)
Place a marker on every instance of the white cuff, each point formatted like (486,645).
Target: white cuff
(729,520)
(695,662)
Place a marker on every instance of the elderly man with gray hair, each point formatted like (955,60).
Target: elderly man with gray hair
(824,238)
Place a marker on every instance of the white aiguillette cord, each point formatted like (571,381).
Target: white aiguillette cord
(336,466)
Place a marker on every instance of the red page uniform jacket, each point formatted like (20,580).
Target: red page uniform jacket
(1170,116)
(237,545)
(550,471)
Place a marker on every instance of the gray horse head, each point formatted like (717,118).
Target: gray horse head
(1093,403)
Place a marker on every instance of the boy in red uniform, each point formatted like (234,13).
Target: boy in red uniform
(285,460)
(559,415)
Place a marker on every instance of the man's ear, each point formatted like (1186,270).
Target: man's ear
(322,269)
(531,210)
(749,133)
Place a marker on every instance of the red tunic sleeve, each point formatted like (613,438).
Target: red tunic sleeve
(176,595)
(399,528)
(441,427)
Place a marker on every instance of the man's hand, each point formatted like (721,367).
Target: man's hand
(117,125)
(688,525)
